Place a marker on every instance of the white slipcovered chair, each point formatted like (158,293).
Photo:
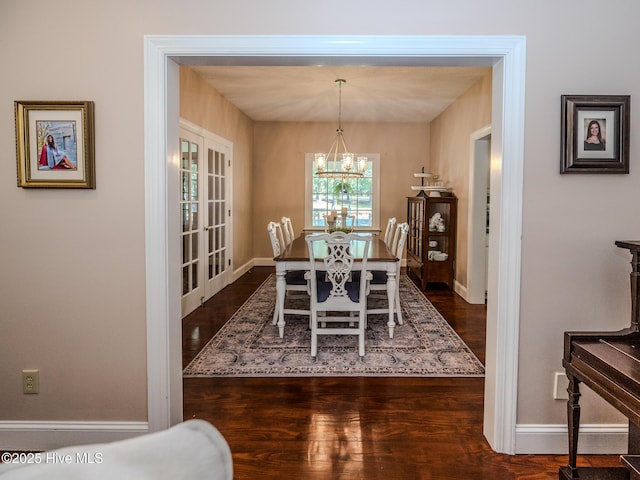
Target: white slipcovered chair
(342,289)
(378,282)
(296,280)
(194,449)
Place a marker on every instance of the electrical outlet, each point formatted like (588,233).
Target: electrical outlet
(30,381)
(560,385)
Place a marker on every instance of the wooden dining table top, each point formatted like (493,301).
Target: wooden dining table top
(298,250)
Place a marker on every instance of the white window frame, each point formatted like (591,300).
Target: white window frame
(375,191)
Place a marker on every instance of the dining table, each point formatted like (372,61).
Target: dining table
(296,257)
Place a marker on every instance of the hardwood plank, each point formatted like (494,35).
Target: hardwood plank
(363,427)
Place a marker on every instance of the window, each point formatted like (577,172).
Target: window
(361,195)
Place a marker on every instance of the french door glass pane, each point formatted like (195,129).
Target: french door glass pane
(194,276)
(194,216)
(186,217)
(185,249)
(194,157)
(194,246)
(194,187)
(184,147)
(185,280)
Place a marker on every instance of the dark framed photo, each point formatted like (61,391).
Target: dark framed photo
(595,134)
(55,144)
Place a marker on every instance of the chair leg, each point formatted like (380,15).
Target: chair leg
(314,334)
(275,314)
(398,309)
(276,318)
(361,332)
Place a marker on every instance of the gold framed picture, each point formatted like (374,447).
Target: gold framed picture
(55,144)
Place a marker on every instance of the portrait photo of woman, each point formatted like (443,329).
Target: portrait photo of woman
(53,157)
(593,137)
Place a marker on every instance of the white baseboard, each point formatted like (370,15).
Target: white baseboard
(460,289)
(600,439)
(238,272)
(264,262)
(18,435)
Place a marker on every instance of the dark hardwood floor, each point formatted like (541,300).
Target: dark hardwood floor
(355,428)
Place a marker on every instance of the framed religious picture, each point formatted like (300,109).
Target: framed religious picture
(54,144)
(595,134)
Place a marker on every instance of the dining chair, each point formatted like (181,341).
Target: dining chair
(389,232)
(339,290)
(377,285)
(287,228)
(296,280)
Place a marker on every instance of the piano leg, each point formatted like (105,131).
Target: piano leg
(634,439)
(573,419)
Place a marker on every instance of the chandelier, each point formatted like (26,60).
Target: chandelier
(338,162)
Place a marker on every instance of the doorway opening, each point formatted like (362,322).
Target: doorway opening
(505,54)
(479,215)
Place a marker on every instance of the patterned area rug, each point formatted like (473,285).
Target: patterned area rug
(248,345)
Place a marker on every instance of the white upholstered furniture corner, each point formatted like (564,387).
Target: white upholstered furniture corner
(194,449)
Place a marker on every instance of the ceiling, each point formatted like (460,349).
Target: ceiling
(370,94)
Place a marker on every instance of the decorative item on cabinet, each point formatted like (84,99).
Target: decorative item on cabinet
(435,186)
(431,241)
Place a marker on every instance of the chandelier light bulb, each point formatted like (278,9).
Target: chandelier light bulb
(321,162)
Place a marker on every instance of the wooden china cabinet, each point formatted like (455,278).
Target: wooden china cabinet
(431,241)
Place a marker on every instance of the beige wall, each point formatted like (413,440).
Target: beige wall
(450,155)
(72,284)
(203,106)
(269,162)
(279,167)
(274,186)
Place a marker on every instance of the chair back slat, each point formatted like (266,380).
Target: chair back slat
(400,240)
(275,235)
(398,234)
(287,229)
(389,232)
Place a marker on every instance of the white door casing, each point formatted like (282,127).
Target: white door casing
(506,54)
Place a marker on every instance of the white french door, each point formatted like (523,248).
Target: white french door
(205,247)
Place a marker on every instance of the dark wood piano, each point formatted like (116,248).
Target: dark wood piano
(609,364)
